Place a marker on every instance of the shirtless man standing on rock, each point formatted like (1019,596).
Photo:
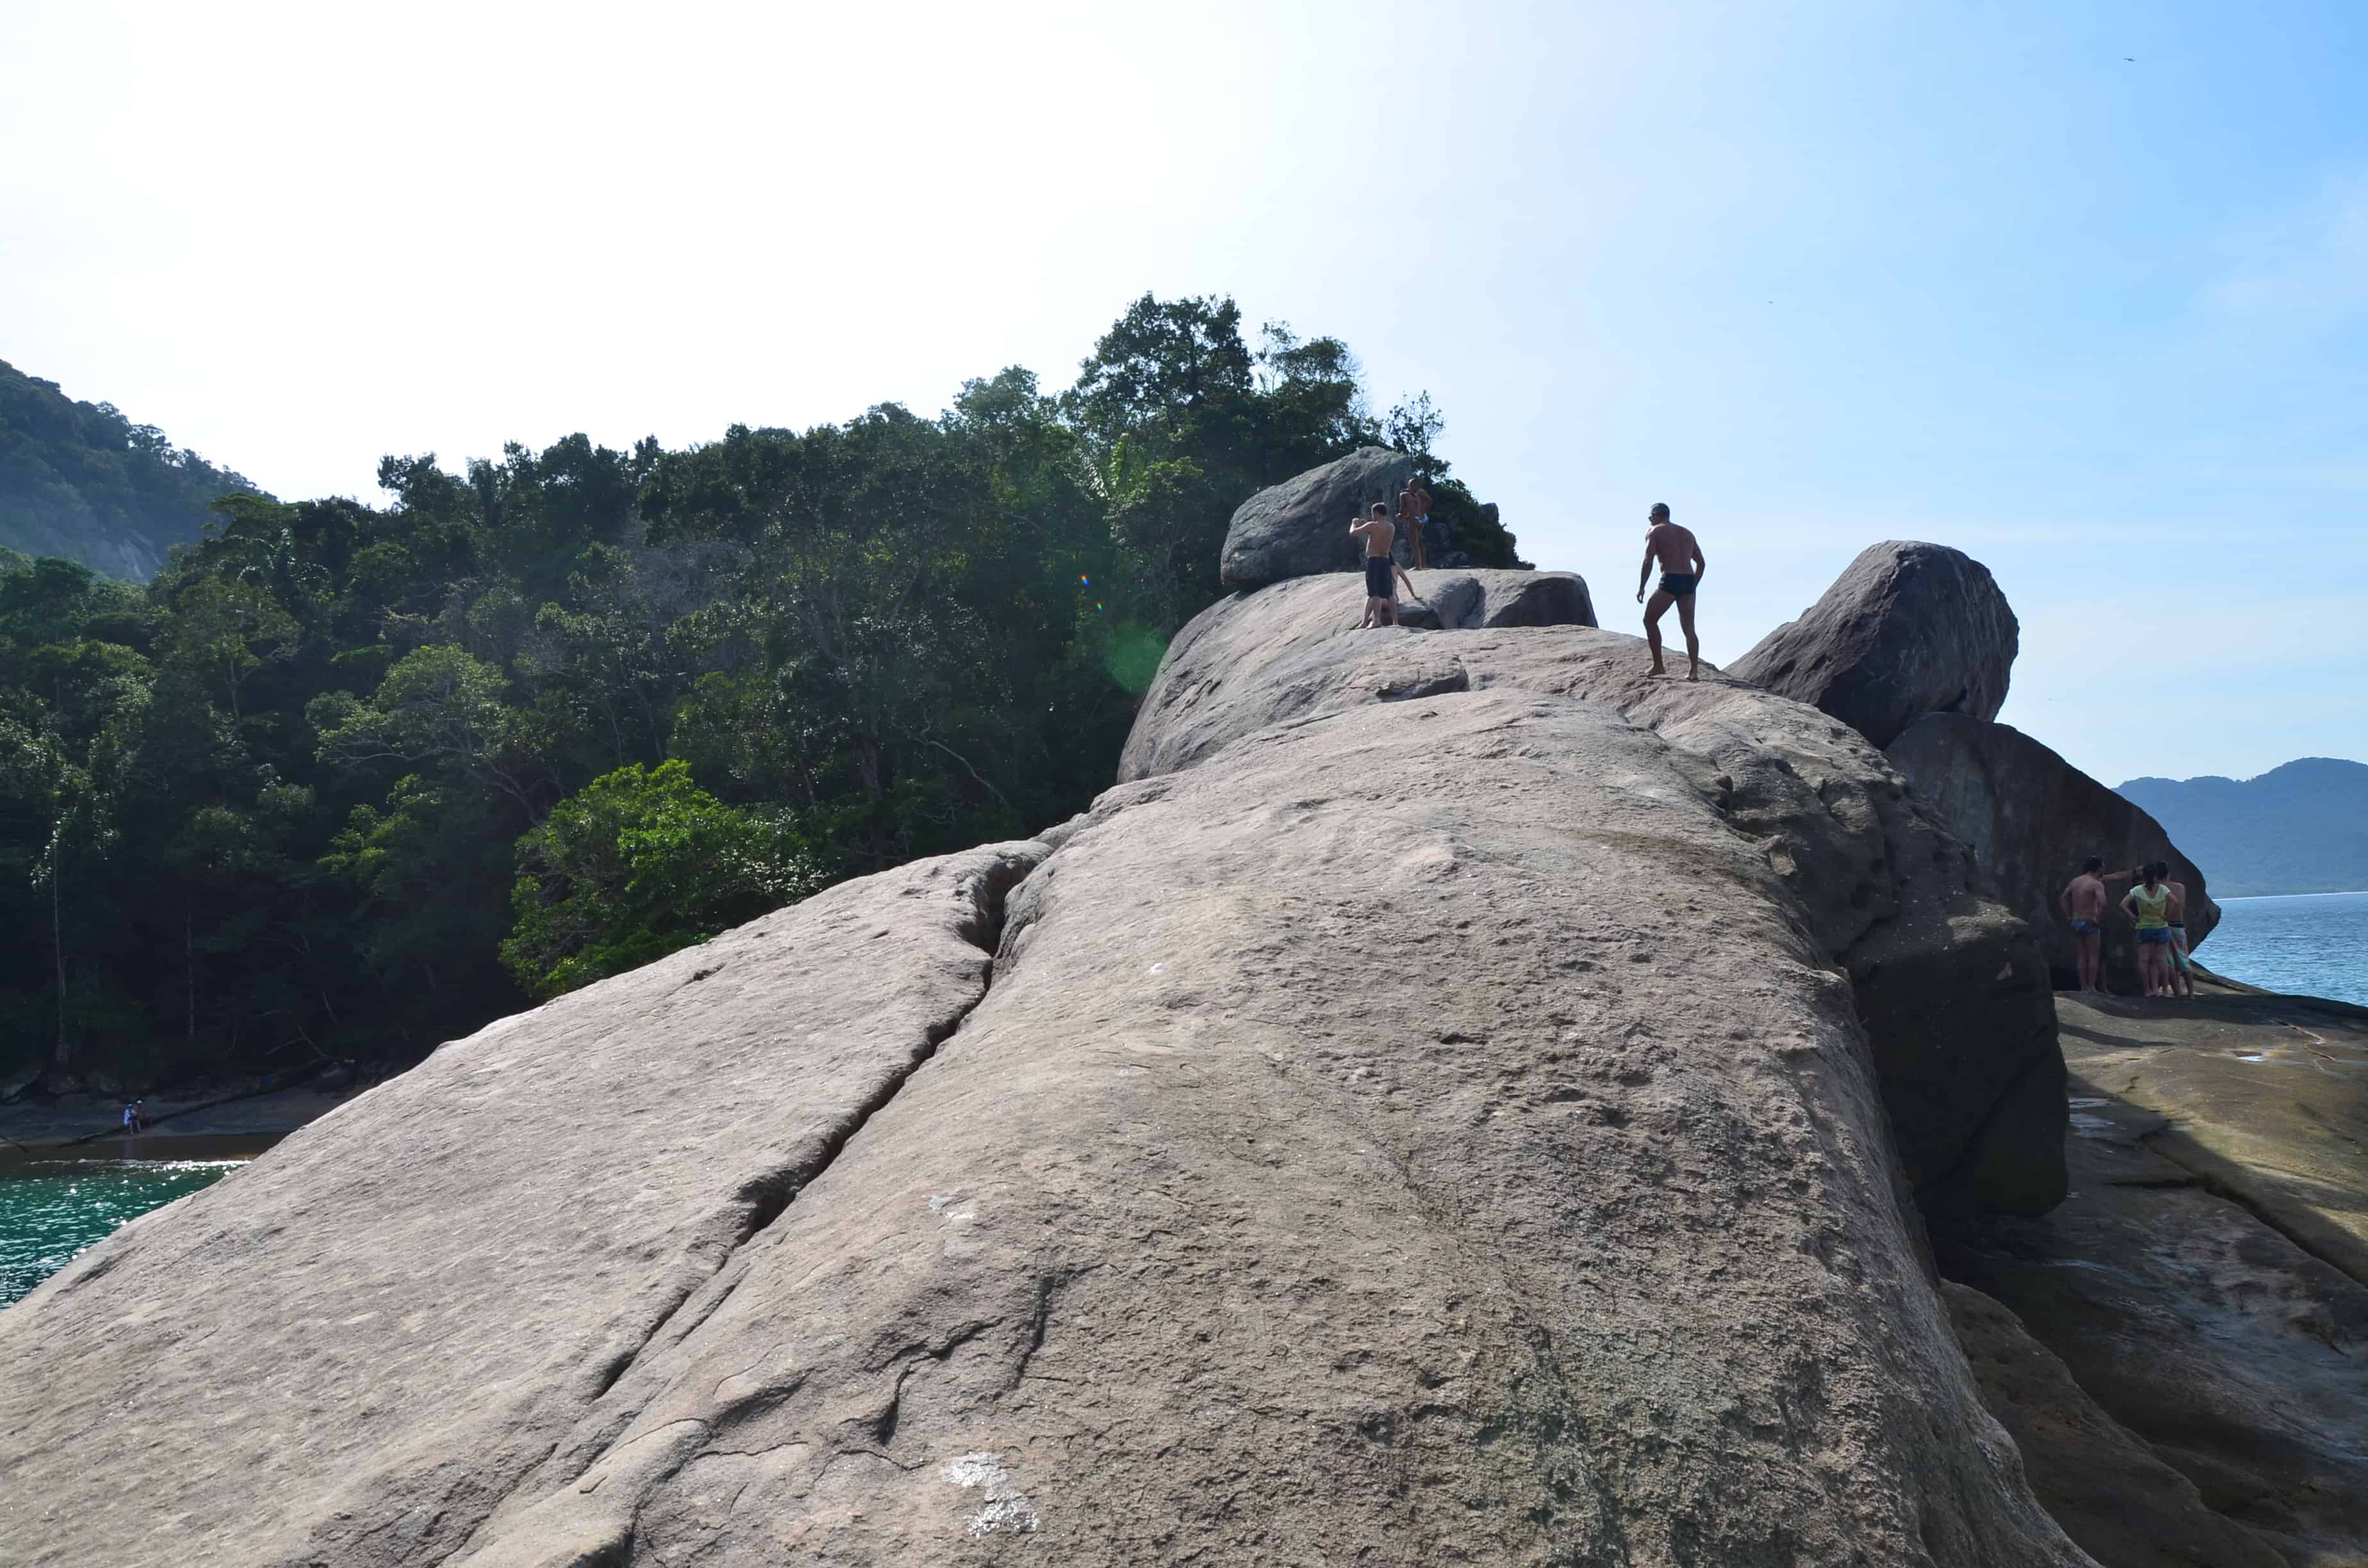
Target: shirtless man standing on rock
(1682,573)
(1382,570)
(2083,903)
(1414,513)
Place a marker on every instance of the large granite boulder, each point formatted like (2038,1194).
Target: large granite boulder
(1950,985)
(2032,818)
(1907,629)
(1214,1222)
(1300,526)
(1484,596)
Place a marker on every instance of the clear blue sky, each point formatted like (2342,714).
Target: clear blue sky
(1816,275)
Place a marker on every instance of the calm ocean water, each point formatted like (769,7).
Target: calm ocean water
(2312,944)
(51,1210)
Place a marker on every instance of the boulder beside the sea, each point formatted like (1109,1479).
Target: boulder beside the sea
(1948,985)
(1908,629)
(1426,1129)
(1300,527)
(2032,818)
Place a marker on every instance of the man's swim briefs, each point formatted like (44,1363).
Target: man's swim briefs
(1679,584)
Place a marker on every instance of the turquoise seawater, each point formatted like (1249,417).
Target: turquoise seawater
(2305,944)
(51,1210)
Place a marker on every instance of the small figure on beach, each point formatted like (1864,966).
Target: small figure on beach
(2083,903)
(1682,564)
(1414,515)
(1382,573)
(2148,904)
(2183,983)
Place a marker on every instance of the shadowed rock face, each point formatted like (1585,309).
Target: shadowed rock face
(1213,1228)
(1907,629)
(2206,1283)
(1300,526)
(2111,1492)
(1948,985)
(2031,819)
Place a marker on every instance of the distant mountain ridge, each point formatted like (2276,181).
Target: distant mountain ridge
(81,481)
(2301,827)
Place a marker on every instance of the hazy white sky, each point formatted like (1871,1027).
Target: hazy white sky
(1818,275)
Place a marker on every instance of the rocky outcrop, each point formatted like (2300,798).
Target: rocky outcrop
(1472,600)
(1950,985)
(353,1350)
(1907,629)
(2031,819)
(1300,526)
(2113,1494)
(2206,1286)
(1424,1130)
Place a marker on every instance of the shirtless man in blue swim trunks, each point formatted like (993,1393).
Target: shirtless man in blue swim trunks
(1681,560)
(1382,570)
(2084,903)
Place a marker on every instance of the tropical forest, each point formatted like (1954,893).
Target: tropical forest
(342,780)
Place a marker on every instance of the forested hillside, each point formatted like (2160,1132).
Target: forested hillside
(347,781)
(2301,827)
(80,481)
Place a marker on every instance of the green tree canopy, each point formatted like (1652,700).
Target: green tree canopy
(347,779)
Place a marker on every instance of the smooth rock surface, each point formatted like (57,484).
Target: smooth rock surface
(1534,598)
(351,1350)
(2114,1495)
(1907,629)
(2032,818)
(1212,1232)
(2204,1284)
(1487,596)
(1216,1234)
(1949,983)
(2264,1099)
(1300,526)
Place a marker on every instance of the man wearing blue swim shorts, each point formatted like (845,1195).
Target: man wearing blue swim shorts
(2083,903)
(1382,570)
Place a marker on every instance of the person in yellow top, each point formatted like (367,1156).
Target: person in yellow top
(2149,904)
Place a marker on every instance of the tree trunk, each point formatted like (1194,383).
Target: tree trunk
(62,1063)
(189,955)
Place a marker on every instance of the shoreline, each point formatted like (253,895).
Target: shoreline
(89,1127)
(148,1148)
